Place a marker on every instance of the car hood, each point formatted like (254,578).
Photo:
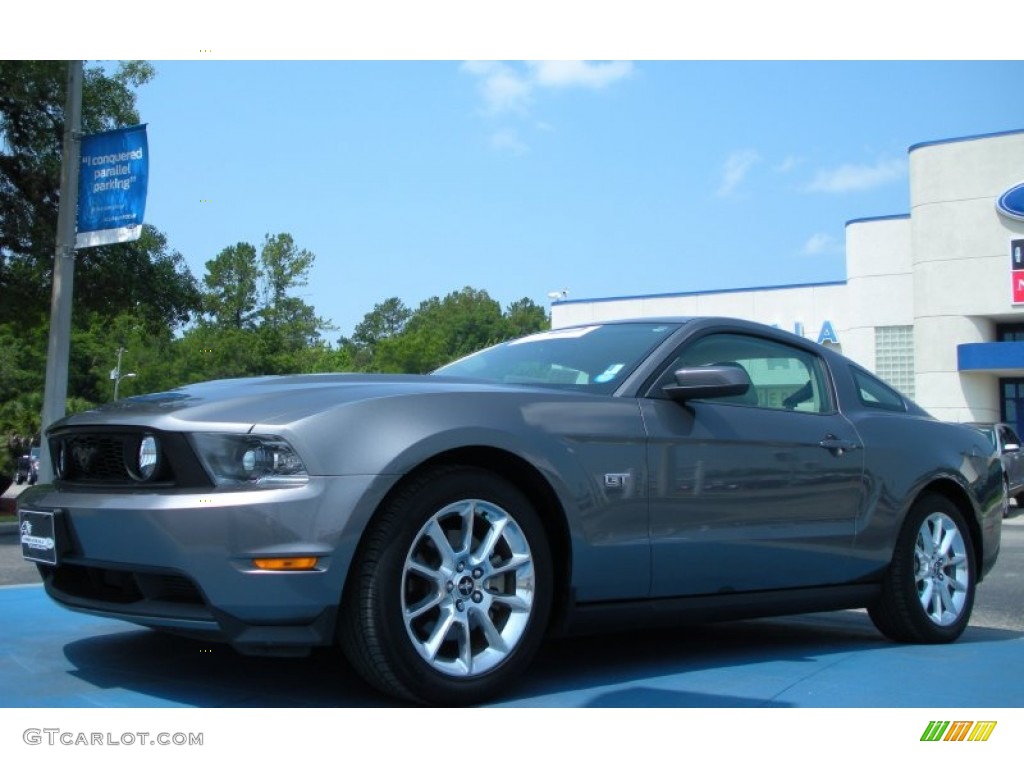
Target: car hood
(265,400)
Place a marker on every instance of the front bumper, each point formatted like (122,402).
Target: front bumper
(183,562)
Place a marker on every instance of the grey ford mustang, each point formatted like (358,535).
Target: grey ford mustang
(439,527)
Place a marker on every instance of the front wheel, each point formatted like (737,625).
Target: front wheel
(450,595)
(928,589)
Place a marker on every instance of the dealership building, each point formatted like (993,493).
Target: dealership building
(933,300)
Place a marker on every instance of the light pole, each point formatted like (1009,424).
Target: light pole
(55,387)
(116,374)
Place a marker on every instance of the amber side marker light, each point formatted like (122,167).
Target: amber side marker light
(285,563)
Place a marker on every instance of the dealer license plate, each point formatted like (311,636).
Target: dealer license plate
(38,536)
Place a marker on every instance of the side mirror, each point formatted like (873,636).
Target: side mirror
(708,381)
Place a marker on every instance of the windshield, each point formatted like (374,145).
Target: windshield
(989,430)
(594,358)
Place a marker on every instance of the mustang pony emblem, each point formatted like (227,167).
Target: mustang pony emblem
(84,455)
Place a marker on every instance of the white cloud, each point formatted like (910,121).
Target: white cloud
(583,74)
(855,178)
(510,87)
(480,67)
(737,166)
(819,244)
(787,165)
(504,90)
(509,141)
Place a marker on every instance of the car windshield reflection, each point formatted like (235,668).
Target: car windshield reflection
(593,358)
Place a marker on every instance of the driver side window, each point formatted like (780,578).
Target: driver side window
(783,377)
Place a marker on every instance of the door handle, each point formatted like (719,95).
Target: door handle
(837,445)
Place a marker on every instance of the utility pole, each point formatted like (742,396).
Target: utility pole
(116,374)
(59,349)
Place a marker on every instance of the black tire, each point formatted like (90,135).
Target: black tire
(417,572)
(928,589)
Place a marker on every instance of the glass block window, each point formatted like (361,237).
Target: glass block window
(894,357)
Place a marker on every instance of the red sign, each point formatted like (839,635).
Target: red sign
(1017,270)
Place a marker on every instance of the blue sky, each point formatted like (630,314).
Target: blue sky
(604,178)
(417,148)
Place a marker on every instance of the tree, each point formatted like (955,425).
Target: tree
(253,323)
(143,278)
(21,366)
(231,297)
(285,268)
(524,317)
(128,295)
(441,330)
(31,128)
(289,325)
(386,319)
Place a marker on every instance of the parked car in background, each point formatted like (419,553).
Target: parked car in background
(22,467)
(27,470)
(1011,452)
(439,527)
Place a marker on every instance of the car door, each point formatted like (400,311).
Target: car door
(1013,457)
(752,492)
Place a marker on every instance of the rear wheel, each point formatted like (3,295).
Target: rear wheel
(928,589)
(450,596)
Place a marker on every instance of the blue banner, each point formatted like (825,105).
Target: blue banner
(112,183)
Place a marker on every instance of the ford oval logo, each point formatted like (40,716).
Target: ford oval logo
(1011,202)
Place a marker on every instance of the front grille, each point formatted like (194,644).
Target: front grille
(104,457)
(124,587)
(99,458)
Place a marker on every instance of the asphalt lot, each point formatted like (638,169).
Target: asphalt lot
(51,657)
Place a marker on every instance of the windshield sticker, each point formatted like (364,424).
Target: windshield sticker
(609,374)
(568,333)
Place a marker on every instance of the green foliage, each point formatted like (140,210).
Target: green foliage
(230,299)
(22,364)
(6,469)
(386,319)
(32,97)
(130,295)
(143,277)
(524,317)
(442,330)
(252,323)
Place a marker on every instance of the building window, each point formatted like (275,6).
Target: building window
(894,357)
(1011,402)
(1010,332)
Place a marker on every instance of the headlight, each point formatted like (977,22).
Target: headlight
(146,460)
(250,460)
(62,459)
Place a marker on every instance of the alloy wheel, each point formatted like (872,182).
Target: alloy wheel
(941,568)
(468,588)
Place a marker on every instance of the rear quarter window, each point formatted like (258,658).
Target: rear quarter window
(874,393)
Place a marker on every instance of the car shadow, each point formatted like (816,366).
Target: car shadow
(197,674)
(616,668)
